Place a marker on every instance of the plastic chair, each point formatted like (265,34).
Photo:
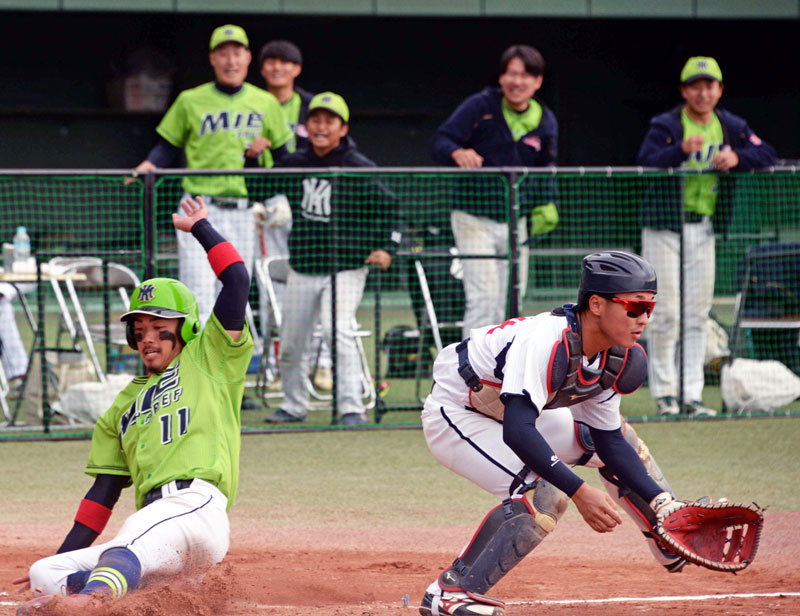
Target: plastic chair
(769,298)
(275,270)
(100,278)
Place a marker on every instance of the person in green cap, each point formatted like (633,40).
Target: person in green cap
(173,433)
(339,227)
(693,135)
(216,124)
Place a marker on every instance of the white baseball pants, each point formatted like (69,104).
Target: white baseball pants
(307,301)
(662,249)
(186,529)
(471,444)
(486,280)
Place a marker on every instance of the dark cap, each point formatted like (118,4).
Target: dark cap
(282,50)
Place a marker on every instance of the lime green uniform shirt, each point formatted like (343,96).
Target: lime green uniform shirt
(215,129)
(700,191)
(182,423)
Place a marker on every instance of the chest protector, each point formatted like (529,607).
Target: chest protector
(621,369)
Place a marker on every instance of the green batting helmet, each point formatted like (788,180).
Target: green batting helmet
(166,298)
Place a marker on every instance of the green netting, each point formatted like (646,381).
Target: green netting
(342,217)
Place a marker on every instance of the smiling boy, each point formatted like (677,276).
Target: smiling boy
(340,226)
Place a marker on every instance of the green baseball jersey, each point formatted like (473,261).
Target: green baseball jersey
(182,423)
(215,129)
(700,191)
(521,124)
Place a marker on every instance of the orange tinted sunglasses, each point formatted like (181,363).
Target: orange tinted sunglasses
(636,307)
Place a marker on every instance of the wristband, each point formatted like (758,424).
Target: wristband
(93,515)
(222,256)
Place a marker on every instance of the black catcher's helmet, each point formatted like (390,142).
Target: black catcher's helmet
(607,273)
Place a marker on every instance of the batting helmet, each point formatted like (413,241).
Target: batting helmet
(606,273)
(166,298)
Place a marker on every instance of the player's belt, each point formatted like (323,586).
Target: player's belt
(168,488)
(472,380)
(231,203)
(691,217)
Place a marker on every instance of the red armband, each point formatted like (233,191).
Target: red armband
(222,255)
(93,515)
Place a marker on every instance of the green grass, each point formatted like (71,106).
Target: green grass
(374,479)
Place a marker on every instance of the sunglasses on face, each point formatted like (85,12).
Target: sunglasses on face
(636,307)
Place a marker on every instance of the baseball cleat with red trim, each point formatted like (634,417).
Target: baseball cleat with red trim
(461,603)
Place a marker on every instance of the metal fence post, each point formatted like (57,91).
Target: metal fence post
(513,308)
(149,219)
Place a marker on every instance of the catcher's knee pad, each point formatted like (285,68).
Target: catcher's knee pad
(508,533)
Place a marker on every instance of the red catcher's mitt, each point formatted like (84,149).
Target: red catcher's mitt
(721,536)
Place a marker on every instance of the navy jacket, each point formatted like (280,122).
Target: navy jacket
(662,148)
(338,221)
(478,123)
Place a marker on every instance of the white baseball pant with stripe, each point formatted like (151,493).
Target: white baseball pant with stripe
(184,529)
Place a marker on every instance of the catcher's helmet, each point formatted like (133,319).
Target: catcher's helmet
(606,273)
(166,298)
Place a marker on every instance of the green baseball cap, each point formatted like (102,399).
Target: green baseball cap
(700,67)
(332,102)
(228,34)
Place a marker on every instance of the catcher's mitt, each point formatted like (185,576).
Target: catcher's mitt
(721,536)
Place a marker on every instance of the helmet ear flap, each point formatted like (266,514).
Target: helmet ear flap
(129,336)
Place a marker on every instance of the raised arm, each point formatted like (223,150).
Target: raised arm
(226,262)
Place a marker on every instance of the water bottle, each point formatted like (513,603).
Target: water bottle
(22,245)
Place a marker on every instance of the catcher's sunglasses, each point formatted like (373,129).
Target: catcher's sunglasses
(635,307)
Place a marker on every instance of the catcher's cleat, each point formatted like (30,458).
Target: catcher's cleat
(461,604)
(49,604)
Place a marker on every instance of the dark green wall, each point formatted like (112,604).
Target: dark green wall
(401,76)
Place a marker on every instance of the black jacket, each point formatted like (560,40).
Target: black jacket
(338,219)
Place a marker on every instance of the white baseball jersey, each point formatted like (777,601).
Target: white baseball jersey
(515,356)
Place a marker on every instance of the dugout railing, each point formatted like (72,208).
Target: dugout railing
(72,213)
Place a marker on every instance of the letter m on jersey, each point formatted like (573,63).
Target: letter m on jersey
(212,123)
(316,203)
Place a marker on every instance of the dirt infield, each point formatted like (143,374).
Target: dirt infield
(315,572)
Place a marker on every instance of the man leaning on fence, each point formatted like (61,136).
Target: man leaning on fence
(215,124)
(498,127)
(693,135)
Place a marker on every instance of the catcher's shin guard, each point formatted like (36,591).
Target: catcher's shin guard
(636,507)
(507,534)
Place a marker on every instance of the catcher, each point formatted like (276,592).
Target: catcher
(514,405)
(173,433)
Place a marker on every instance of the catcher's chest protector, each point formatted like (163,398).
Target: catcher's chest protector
(620,368)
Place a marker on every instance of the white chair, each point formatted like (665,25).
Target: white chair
(275,270)
(92,276)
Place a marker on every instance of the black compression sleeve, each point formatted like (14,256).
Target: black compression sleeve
(623,460)
(206,234)
(232,299)
(520,433)
(163,154)
(105,490)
